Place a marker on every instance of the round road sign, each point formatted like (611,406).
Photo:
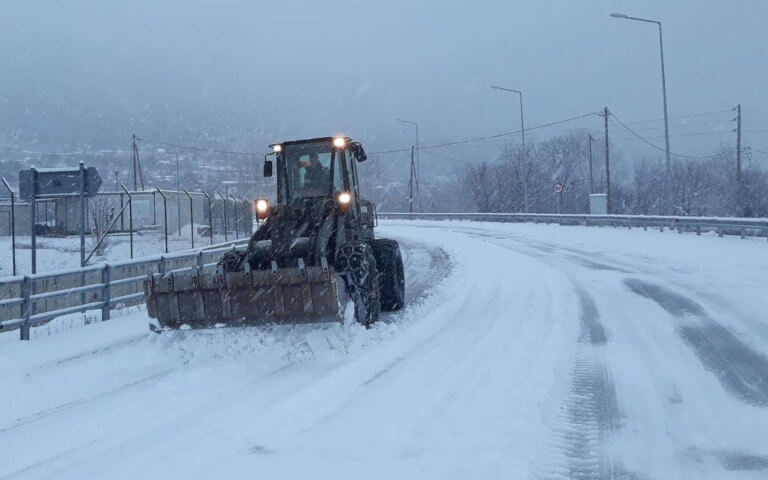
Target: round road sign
(557,188)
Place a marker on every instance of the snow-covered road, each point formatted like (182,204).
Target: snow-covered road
(526,351)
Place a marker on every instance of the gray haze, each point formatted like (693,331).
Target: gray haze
(240,74)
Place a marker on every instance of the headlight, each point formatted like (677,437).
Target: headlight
(339,142)
(262,208)
(277,148)
(344,199)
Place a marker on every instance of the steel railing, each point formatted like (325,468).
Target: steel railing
(743,227)
(30,300)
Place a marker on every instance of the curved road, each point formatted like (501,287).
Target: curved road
(525,351)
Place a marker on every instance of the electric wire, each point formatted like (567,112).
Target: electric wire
(201,149)
(488,137)
(644,140)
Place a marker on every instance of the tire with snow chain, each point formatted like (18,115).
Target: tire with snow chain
(357,260)
(389,263)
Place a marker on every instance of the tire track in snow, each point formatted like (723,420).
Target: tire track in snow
(742,371)
(590,410)
(39,415)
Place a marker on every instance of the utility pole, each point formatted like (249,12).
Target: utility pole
(738,143)
(739,189)
(607,165)
(591,177)
(418,156)
(136,166)
(410,184)
(117,185)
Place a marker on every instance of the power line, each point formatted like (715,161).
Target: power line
(653,144)
(201,149)
(446,157)
(703,114)
(488,137)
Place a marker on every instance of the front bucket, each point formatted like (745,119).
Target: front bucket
(214,298)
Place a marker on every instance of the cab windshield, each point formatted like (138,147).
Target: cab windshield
(308,170)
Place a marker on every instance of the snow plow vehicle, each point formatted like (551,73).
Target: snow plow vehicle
(314,252)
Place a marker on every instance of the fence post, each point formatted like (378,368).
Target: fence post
(191,218)
(236,215)
(105,291)
(122,218)
(165,218)
(130,215)
(210,216)
(33,220)
(13,224)
(224,199)
(26,308)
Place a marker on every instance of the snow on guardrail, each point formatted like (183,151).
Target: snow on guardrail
(742,227)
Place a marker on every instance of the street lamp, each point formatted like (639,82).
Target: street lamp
(663,80)
(418,165)
(522,124)
(178,186)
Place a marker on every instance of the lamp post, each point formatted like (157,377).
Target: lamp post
(663,81)
(522,133)
(522,123)
(418,169)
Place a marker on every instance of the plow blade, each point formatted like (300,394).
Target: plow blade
(197,298)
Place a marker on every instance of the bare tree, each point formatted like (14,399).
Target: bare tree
(101,214)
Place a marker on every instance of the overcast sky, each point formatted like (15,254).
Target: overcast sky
(93,72)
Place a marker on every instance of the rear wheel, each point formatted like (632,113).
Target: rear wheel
(389,263)
(358,261)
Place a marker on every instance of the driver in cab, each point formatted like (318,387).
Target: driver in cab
(315,174)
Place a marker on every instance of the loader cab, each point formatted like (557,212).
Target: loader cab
(324,168)
(314,168)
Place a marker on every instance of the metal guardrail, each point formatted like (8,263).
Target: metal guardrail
(743,227)
(30,300)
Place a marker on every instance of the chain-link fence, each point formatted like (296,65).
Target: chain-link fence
(8,265)
(120,225)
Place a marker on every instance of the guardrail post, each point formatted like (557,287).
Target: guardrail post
(105,291)
(199,259)
(742,233)
(26,308)
(161,265)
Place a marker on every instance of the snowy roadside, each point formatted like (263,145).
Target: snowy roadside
(57,253)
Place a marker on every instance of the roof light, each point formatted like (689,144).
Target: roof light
(277,148)
(339,142)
